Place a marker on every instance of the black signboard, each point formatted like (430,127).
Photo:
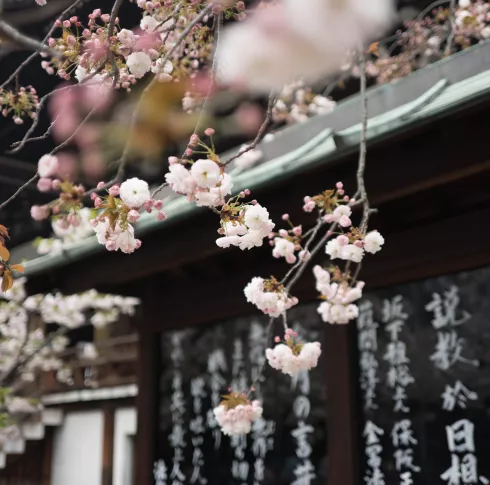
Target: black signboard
(198,365)
(425,380)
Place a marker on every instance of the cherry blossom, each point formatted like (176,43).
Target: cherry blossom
(236,414)
(205,173)
(47,166)
(134,192)
(292,356)
(269,296)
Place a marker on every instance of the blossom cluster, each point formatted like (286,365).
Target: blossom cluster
(429,39)
(236,413)
(64,209)
(269,296)
(119,210)
(205,181)
(314,41)
(286,242)
(292,356)
(66,236)
(17,339)
(19,104)
(298,103)
(339,297)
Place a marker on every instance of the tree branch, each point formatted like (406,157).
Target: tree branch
(12,34)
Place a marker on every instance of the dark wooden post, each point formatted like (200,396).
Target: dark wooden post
(108,445)
(148,352)
(343,458)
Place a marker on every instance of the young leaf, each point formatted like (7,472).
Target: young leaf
(4,253)
(17,267)
(7,281)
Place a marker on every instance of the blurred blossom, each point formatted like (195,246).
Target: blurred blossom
(249,117)
(314,41)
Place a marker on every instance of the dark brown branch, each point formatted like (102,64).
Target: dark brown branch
(47,36)
(261,133)
(13,35)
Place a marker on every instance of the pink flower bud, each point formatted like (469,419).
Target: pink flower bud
(51,43)
(133,215)
(340,192)
(272,243)
(297,231)
(209,132)
(194,139)
(55,184)
(66,24)
(71,40)
(18,121)
(97,12)
(344,221)
(161,216)
(286,337)
(189,152)
(39,212)
(148,205)
(346,198)
(352,201)
(97,202)
(110,245)
(137,243)
(294,300)
(254,202)
(283,233)
(359,244)
(339,185)
(158,204)
(343,240)
(277,339)
(247,191)
(44,184)
(114,190)
(100,185)
(58,23)
(289,331)
(74,19)
(328,218)
(93,195)
(285,217)
(173,160)
(307,199)
(309,206)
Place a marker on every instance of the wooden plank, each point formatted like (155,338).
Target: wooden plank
(342,426)
(108,445)
(147,403)
(48,457)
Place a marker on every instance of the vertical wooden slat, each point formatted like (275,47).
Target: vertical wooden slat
(148,369)
(343,457)
(48,456)
(108,445)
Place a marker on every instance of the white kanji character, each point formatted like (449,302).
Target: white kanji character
(460,436)
(448,350)
(406,478)
(393,309)
(373,453)
(469,469)
(396,353)
(239,470)
(305,473)
(365,318)
(404,459)
(375,478)
(303,448)
(160,472)
(371,432)
(217,361)
(402,434)
(444,311)
(177,472)
(399,375)
(368,338)
(301,407)
(458,394)
(453,474)
(399,398)
(259,471)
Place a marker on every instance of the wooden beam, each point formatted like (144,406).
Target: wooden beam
(147,401)
(48,456)
(108,445)
(341,382)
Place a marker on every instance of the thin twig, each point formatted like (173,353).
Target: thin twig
(452,26)
(12,34)
(37,138)
(47,36)
(261,133)
(110,32)
(18,191)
